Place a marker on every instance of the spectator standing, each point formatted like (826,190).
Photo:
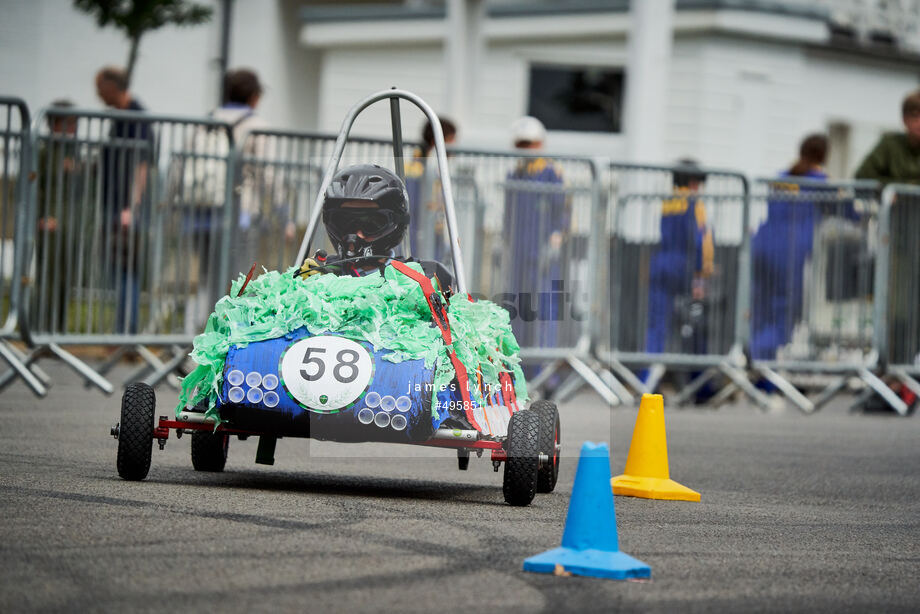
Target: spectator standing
(58,173)
(683,260)
(426,206)
(536,219)
(125,165)
(254,186)
(896,159)
(780,249)
(198,189)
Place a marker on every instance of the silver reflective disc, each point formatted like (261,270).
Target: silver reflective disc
(253,379)
(235,377)
(270,398)
(399,422)
(270,381)
(372,399)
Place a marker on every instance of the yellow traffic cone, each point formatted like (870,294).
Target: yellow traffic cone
(647,473)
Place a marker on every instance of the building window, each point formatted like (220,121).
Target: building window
(577,98)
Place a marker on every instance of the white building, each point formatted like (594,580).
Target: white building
(48,50)
(733,83)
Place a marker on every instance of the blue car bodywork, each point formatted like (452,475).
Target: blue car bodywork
(403,391)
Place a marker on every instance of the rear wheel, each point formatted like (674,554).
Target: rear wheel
(135,431)
(522,447)
(550,437)
(209,450)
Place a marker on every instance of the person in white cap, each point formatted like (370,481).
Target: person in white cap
(528,133)
(536,221)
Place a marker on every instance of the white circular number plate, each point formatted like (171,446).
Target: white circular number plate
(326,374)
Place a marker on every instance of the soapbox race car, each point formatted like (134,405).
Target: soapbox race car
(331,387)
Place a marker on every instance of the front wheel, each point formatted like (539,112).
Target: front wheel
(522,447)
(550,438)
(135,431)
(209,450)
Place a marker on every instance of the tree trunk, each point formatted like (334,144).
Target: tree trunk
(132,57)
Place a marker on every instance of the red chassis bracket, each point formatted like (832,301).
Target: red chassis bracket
(483,444)
(498,453)
(161,432)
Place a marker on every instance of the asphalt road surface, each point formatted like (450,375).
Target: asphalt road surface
(813,513)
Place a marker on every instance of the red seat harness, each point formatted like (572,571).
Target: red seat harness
(439,317)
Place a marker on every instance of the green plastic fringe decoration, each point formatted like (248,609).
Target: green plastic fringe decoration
(389,311)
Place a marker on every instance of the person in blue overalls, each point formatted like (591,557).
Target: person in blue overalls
(536,221)
(684,258)
(425,202)
(779,250)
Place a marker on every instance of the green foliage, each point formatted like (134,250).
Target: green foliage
(136,17)
(388,311)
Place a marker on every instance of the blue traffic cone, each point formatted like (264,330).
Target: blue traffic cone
(589,542)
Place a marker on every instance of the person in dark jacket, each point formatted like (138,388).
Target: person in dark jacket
(896,159)
(59,188)
(125,165)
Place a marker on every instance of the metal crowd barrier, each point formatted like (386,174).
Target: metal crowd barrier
(290,163)
(128,236)
(676,282)
(15,168)
(281,171)
(533,249)
(898,307)
(815,281)
(133,225)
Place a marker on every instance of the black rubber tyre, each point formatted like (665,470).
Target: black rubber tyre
(463,459)
(522,447)
(135,431)
(209,450)
(550,438)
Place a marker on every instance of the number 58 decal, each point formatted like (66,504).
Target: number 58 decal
(344,358)
(326,374)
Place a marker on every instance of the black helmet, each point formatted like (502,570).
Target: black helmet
(386,224)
